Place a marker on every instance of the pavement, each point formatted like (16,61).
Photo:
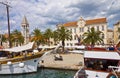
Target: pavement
(70,61)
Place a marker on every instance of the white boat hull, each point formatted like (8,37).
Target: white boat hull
(29,66)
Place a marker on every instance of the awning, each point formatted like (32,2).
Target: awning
(102,55)
(20,48)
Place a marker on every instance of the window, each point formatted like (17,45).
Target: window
(74,30)
(71,38)
(71,29)
(118,29)
(97,28)
(82,29)
(102,28)
(75,37)
(119,37)
(88,28)
(103,36)
(67,44)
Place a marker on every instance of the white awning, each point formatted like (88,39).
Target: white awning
(78,47)
(102,55)
(20,48)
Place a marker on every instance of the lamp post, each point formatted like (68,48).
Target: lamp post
(8,21)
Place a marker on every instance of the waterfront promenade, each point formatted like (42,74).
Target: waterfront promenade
(70,61)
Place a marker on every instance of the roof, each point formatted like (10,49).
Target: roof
(102,55)
(70,24)
(20,48)
(24,21)
(88,22)
(96,21)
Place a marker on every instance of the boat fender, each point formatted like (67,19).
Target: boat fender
(9,62)
(21,65)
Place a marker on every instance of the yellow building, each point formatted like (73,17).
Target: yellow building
(78,28)
(110,39)
(117,32)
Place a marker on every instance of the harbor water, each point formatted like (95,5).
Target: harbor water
(44,73)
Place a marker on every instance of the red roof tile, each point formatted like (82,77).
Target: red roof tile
(70,24)
(88,22)
(96,21)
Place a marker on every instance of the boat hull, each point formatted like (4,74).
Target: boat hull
(29,66)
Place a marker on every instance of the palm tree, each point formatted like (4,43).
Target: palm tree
(47,35)
(55,36)
(37,36)
(64,34)
(3,39)
(17,38)
(92,37)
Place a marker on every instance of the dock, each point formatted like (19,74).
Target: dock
(69,61)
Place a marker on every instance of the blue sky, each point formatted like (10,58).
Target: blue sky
(45,14)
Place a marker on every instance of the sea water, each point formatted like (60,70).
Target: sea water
(44,73)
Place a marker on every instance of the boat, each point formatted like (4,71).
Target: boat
(100,64)
(21,59)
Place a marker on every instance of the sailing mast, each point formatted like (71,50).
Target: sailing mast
(7,7)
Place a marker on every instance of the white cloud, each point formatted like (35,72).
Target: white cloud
(48,13)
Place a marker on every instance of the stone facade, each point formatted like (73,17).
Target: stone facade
(116,32)
(110,35)
(25,30)
(78,28)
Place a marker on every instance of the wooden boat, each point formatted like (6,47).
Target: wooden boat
(22,59)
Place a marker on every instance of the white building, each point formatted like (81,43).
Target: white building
(78,28)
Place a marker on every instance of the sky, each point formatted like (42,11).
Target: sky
(44,14)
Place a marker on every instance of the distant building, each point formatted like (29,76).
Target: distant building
(25,30)
(78,28)
(110,36)
(117,32)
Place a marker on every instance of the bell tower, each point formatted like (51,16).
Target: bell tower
(25,30)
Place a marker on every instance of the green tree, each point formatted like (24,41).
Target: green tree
(63,34)
(92,37)
(47,35)
(17,38)
(37,36)
(55,36)
(2,39)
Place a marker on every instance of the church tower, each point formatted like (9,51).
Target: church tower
(25,30)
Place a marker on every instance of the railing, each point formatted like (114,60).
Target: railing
(116,70)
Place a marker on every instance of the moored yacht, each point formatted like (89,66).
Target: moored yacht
(22,59)
(100,64)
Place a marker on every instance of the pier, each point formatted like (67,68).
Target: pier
(69,61)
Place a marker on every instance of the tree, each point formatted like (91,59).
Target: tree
(55,36)
(63,34)
(92,37)
(17,38)
(2,39)
(37,36)
(47,35)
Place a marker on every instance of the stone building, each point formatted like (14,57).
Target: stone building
(81,26)
(25,30)
(110,36)
(116,32)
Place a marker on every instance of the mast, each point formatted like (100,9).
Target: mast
(8,21)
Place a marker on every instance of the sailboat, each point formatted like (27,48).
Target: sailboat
(21,59)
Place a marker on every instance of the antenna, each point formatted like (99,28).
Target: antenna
(7,7)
